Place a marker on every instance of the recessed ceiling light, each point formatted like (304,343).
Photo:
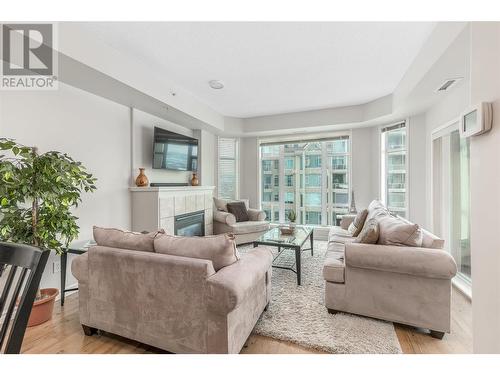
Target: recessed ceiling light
(216,84)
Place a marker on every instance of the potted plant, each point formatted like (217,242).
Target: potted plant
(288,230)
(292,217)
(37,195)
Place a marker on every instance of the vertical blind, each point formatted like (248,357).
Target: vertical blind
(228,168)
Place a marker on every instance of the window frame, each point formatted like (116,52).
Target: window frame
(328,210)
(236,159)
(383,163)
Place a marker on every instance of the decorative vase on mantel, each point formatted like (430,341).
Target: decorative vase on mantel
(142,179)
(194,180)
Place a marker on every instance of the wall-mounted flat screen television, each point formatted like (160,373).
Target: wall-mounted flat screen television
(174,151)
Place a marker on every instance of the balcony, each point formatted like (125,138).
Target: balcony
(397,186)
(401,168)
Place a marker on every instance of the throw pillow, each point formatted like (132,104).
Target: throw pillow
(369,233)
(220,204)
(376,209)
(220,249)
(429,240)
(111,237)
(357,225)
(239,210)
(394,231)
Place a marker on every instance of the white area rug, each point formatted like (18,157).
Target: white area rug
(297,313)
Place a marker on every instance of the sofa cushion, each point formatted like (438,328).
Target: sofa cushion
(256,215)
(249,227)
(220,249)
(338,232)
(394,231)
(341,239)
(357,225)
(333,267)
(335,247)
(415,261)
(376,209)
(239,210)
(431,241)
(370,232)
(220,204)
(117,238)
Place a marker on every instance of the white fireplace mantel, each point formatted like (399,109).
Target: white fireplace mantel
(157,207)
(172,188)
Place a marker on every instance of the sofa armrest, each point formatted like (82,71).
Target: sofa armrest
(256,215)
(224,217)
(417,261)
(80,268)
(233,284)
(346,221)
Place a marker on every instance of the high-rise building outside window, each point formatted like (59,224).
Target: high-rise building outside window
(393,163)
(311,178)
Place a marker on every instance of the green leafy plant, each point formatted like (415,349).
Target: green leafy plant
(292,216)
(37,195)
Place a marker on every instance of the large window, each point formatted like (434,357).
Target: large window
(451,197)
(393,168)
(228,169)
(311,178)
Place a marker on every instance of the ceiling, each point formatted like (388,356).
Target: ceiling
(273,68)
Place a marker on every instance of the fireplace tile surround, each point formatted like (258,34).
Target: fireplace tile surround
(157,207)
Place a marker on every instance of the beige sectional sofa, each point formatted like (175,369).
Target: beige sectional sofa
(408,285)
(182,304)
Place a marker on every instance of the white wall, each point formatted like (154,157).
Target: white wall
(417,175)
(485,189)
(363,151)
(92,130)
(482,83)
(208,157)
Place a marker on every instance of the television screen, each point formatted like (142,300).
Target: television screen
(174,151)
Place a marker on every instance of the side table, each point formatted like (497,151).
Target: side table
(76,247)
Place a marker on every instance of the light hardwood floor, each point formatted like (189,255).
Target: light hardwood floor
(63,334)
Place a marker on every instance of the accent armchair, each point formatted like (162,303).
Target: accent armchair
(244,231)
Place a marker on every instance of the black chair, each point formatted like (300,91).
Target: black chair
(30,262)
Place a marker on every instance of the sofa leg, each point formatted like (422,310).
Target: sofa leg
(437,334)
(89,331)
(332,311)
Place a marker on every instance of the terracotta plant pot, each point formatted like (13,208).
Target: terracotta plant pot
(42,309)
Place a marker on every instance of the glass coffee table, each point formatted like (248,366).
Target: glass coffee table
(294,241)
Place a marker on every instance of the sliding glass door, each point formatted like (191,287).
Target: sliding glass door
(451,196)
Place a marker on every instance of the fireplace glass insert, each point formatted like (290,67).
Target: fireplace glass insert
(191,224)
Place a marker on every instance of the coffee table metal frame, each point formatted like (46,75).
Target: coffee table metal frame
(296,248)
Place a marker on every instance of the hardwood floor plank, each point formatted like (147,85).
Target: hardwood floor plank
(63,334)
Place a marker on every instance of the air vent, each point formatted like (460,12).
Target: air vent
(449,83)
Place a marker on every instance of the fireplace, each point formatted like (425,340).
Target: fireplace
(191,224)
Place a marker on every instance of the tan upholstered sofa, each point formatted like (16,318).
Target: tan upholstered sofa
(245,231)
(175,303)
(408,285)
